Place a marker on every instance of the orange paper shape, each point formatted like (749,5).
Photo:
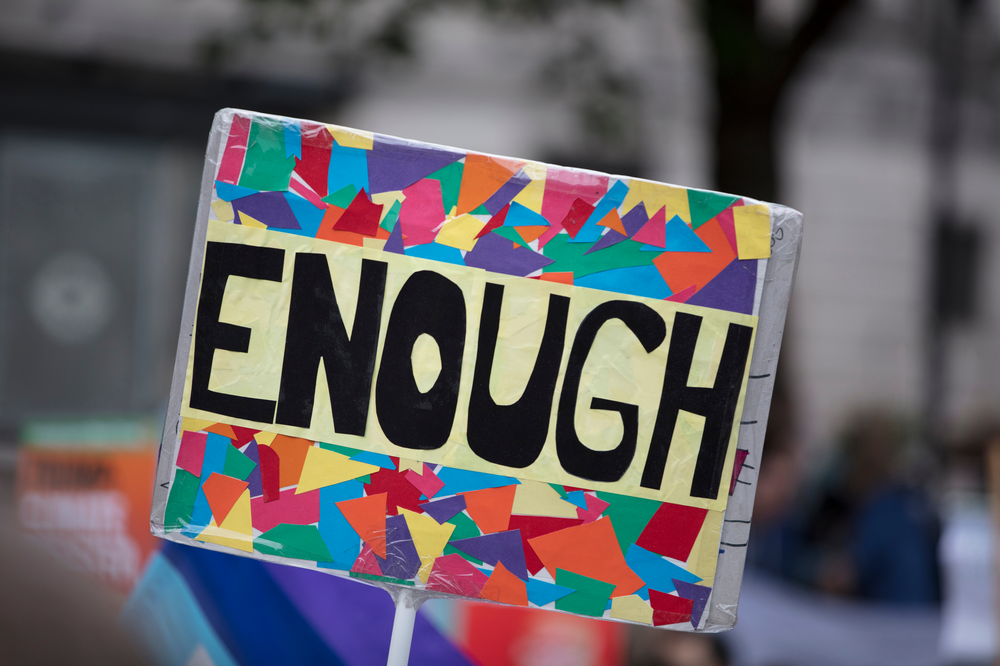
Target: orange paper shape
(223,429)
(505,587)
(367,516)
(562,277)
(292,452)
(491,508)
(683,269)
(222,492)
(481,178)
(613,221)
(531,233)
(590,550)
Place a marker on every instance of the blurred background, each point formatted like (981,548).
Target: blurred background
(872,540)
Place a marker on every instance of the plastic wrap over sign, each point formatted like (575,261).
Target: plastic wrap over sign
(473,375)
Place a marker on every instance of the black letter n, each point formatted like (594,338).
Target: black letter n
(316,331)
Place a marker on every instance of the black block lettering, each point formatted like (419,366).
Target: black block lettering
(513,435)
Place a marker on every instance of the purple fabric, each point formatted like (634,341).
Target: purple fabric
(732,289)
(355,620)
(394,164)
(269,208)
(496,253)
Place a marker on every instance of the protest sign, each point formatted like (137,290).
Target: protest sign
(473,375)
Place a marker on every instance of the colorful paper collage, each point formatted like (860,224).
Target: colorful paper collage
(479,536)
(388,519)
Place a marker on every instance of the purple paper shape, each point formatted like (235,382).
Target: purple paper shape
(696,593)
(607,240)
(401,559)
(503,547)
(256,490)
(269,208)
(394,243)
(507,192)
(356,620)
(498,254)
(732,289)
(394,164)
(634,220)
(443,510)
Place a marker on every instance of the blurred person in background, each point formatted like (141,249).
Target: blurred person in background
(861,530)
(655,647)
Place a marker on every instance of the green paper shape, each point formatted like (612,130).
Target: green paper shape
(450,178)
(629,516)
(342,450)
(180,503)
(465,528)
(342,198)
(381,579)
(510,234)
(482,210)
(389,221)
(572,257)
(302,542)
(559,489)
(237,464)
(706,205)
(591,596)
(266,168)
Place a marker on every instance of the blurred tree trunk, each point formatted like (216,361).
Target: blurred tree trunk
(752,71)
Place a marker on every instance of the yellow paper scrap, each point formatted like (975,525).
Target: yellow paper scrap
(460,232)
(533,498)
(416,465)
(631,608)
(195,425)
(326,468)
(657,196)
(264,438)
(236,530)
(531,196)
(386,199)
(248,221)
(374,244)
(223,210)
(705,553)
(346,138)
(429,538)
(753,231)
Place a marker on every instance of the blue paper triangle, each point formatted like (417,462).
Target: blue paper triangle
(542,593)
(228,192)
(680,238)
(577,497)
(522,216)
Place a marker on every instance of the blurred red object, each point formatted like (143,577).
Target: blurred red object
(504,636)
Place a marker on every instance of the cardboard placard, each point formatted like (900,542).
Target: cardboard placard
(473,375)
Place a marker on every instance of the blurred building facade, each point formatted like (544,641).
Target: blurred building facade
(78,164)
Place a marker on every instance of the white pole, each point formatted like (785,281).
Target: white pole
(402,628)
